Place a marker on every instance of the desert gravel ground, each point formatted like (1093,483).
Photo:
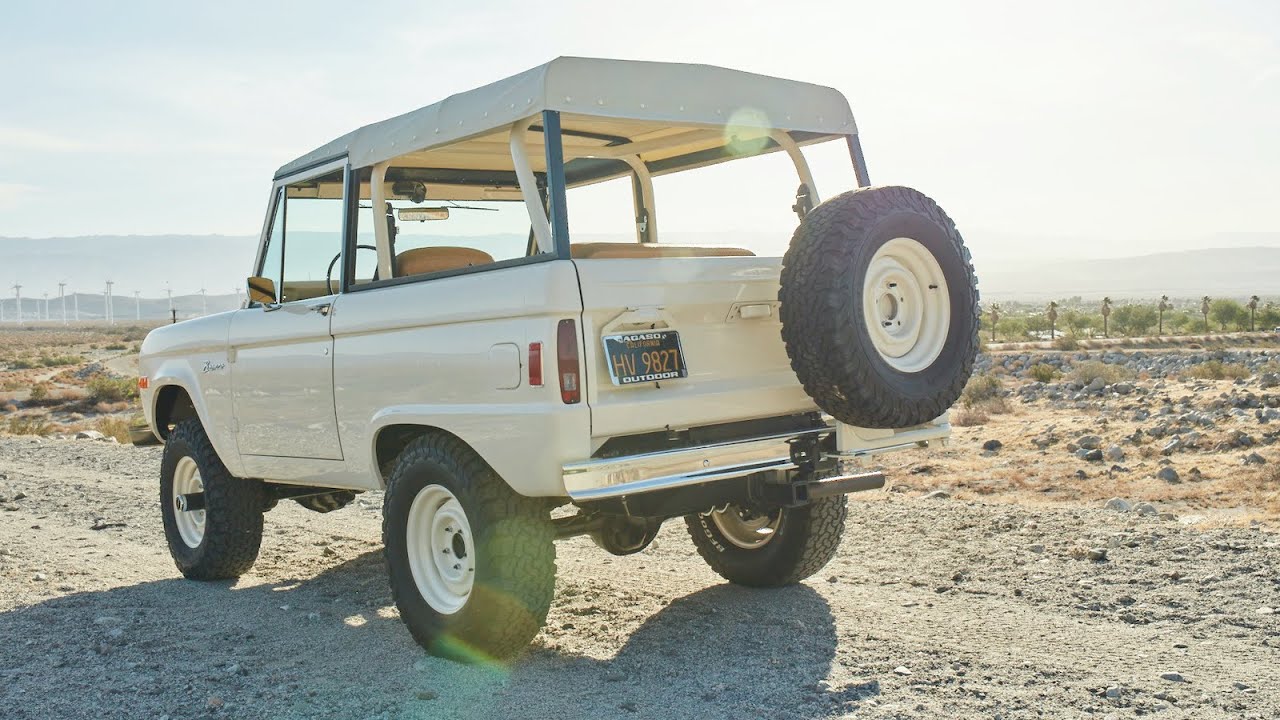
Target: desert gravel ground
(934,608)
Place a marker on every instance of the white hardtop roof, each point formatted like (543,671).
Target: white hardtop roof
(675,94)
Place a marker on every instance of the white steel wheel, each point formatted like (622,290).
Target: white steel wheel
(441,549)
(187,480)
(906,305)
(744,528)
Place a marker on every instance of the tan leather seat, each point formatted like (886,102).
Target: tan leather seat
(600,250)
(419,261)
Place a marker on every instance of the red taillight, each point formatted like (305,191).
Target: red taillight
(535,364)
(567,362)
(143,382)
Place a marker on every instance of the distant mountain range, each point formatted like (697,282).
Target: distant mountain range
(219,263)
(1222,272)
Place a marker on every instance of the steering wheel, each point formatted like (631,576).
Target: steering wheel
(328,274)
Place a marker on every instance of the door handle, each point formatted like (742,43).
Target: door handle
(322,308)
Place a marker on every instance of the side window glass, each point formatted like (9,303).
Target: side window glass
(438,227)
(460,233)
(312,246)
(271,266)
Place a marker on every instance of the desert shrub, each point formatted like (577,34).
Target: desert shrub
(1271,366)
(115,427)
(24,364)
(969,417)
(112,407)
(1216,370)
(1066,342)
(117,346)
(1090,370)
(981,387)
(39,393)
(102,388)
(29,425)
(58,360)
(1042,372)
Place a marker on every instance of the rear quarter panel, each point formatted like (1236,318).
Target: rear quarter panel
(451,353)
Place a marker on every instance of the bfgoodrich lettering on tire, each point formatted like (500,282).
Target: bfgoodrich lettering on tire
(880,308)
(769,548)
(471,562)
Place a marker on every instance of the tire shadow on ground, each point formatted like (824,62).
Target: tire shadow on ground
(331,645)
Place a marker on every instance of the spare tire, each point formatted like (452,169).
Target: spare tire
(880,308)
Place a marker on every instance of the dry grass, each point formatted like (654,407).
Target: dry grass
(980,412)
(1216,370)
(115,427)
(1042,372)
(980,388)
(1223,491)
(1090,370)
(30,425)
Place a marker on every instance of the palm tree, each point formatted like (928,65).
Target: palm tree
(995,318)
(1053,317)
(1106,313)
(1253,309)
(1164,305)
(1204,310)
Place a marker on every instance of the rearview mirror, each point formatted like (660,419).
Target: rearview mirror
(422,214)
(262,290)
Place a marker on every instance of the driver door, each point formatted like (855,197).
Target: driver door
(282,353)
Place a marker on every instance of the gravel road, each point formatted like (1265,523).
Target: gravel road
(933,608)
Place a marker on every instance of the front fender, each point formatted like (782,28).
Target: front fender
(192,355)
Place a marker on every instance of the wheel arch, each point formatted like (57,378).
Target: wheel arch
(390,440)
(173,404)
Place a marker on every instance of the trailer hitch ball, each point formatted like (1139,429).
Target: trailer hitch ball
(189,502)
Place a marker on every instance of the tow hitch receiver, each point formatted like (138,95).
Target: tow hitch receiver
(803,492)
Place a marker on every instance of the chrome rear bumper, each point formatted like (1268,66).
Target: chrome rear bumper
(634,474)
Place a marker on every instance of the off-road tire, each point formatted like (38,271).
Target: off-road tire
(805,540)
(233,510)
(327,502)
(514,550)
(823,326)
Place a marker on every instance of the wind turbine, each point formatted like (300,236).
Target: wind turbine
(137,306)
(110,318)
(204,303)
(62,296)
(46,306)
(17,299)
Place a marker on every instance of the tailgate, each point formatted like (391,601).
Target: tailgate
(725,310)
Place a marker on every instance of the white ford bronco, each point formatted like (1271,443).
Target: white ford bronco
(422,321)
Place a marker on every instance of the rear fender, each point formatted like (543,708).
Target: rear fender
(526,444)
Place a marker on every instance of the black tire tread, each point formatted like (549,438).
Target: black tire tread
(233,515)
(833,364)
(811,535)
(515,582)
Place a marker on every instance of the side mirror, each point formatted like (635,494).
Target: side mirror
(262,290)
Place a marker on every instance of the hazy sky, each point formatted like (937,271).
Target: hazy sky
(1085,128)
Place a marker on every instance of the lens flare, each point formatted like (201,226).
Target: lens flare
(747,131)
